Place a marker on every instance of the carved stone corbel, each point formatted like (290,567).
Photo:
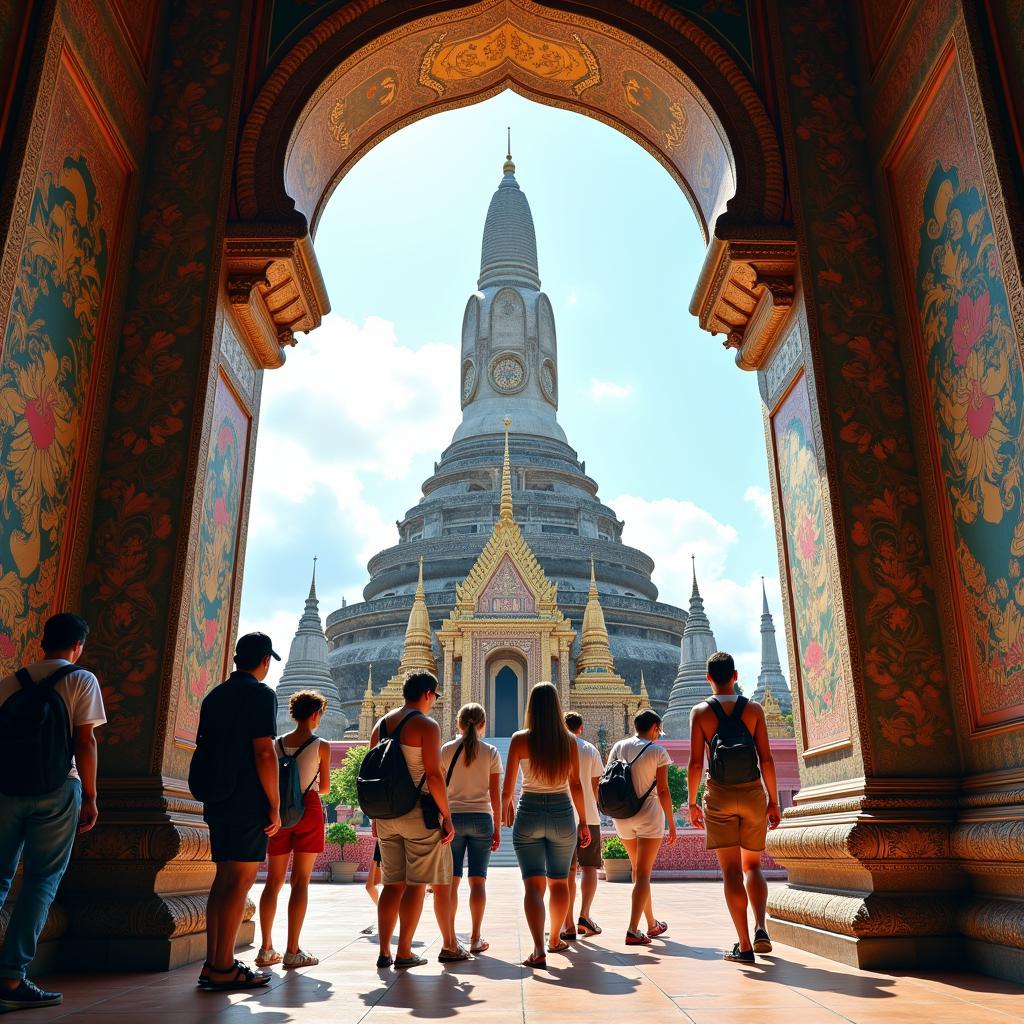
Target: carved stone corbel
(274,286)
(745,291)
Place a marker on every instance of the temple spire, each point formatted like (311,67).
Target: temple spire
(695,592)
(770,680)
(595,652)
(764,599)
(505,514)
(369,682)
(312,584)
(418,652)
(508,167)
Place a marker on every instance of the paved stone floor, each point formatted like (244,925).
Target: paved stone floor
(680,978)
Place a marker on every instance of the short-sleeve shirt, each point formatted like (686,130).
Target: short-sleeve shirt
(238,711)
(80,691)
(469,791)
(590,768)
(645,767)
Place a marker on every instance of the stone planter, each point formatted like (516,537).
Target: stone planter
(343,870)
(618,870)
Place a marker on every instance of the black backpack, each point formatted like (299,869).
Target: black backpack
(384,785)
(293,796)
(732,755)
(36,748)
(616,795)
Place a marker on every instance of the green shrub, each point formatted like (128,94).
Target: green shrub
(343,779)
(613,849)
(677,786)
(342,834)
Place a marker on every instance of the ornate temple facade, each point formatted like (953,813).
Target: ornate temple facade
(505,633)
(509,367)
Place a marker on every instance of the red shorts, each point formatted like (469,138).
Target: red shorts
(307,836)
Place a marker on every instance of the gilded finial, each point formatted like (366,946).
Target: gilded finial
(509,167)
(505,514)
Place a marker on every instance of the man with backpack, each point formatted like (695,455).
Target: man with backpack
(48,714)
(402,788)
(737,812)
(234,772)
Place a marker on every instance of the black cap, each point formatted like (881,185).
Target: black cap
(255,647)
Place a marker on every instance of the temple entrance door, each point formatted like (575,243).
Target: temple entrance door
(506,699)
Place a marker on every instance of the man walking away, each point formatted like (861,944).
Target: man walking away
(588,857)
(48,713)
(235,773)
(416,852)
(737,812)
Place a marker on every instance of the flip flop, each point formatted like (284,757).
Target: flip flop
(403,962)
(538,963)
(560,948)
(482,948)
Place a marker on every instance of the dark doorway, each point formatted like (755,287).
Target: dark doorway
(506,702)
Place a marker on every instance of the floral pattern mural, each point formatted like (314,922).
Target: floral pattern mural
(972,369)
(823,700)
(209,621)
(47,362)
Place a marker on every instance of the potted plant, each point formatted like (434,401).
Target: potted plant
(616,860)
(342,834)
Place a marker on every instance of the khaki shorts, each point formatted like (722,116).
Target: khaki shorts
(736,815)
(412,853)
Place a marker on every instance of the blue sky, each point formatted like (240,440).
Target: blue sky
(667,424)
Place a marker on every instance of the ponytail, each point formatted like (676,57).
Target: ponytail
(471,718)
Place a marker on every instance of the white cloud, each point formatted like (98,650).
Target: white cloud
(762,501)
(572,298)
(608,390)
(670,531)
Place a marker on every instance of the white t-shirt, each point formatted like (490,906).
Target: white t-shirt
(590,769)
(651,819)
(309,761)
(80,691)
(469,792)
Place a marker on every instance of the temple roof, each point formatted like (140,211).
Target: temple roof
(508,254)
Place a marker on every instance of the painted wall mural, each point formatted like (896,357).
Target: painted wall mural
(823,676)
(971,360)
(50,348)
(207,638)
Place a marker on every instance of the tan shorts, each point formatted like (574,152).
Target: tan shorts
(412,853)
(736,815)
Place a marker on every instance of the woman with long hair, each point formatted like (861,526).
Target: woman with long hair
(473,772)
(545,832)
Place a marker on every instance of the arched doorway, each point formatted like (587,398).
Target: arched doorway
(507,686)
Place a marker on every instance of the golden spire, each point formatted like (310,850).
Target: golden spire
(508,167)
(645,697)
(418,654)
(595,654)
(369,684)
(506,481)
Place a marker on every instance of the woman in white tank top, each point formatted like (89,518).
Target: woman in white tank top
(544,828)
(303,841)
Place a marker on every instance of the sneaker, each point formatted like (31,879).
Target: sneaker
(27,995)
(300,959)
(660,927)
(762,941)
(637,939)
(740,956)
(267,957)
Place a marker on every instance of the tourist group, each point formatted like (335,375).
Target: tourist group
(437,810)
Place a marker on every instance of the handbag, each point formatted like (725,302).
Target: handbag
(431,812)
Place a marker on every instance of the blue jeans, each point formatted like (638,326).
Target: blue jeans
(473,834)
(44,827)
(544,835)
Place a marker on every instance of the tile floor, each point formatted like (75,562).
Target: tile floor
(681,978)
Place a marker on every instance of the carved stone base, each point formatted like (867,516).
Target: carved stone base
(998,961)
(927,952)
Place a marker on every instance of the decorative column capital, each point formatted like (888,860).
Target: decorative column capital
(274,287)
(746,290)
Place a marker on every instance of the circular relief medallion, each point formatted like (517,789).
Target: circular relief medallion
(468,380)
(549,382)
(508,374)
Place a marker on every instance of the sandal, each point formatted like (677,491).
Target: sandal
(587,926)
(481,948)
(538,963)
(402,963)
(204,979)
(454,956)
(560,948)
(300,959)
(268,957)
(660,927)
(568,936)
(244,977)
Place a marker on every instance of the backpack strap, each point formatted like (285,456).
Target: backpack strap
(401,726)
(451,767)
(637,758)
(741,703)
(718,710)
(49,682)
(300,750)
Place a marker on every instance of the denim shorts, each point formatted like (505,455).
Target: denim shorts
(473,834)
(544,836)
